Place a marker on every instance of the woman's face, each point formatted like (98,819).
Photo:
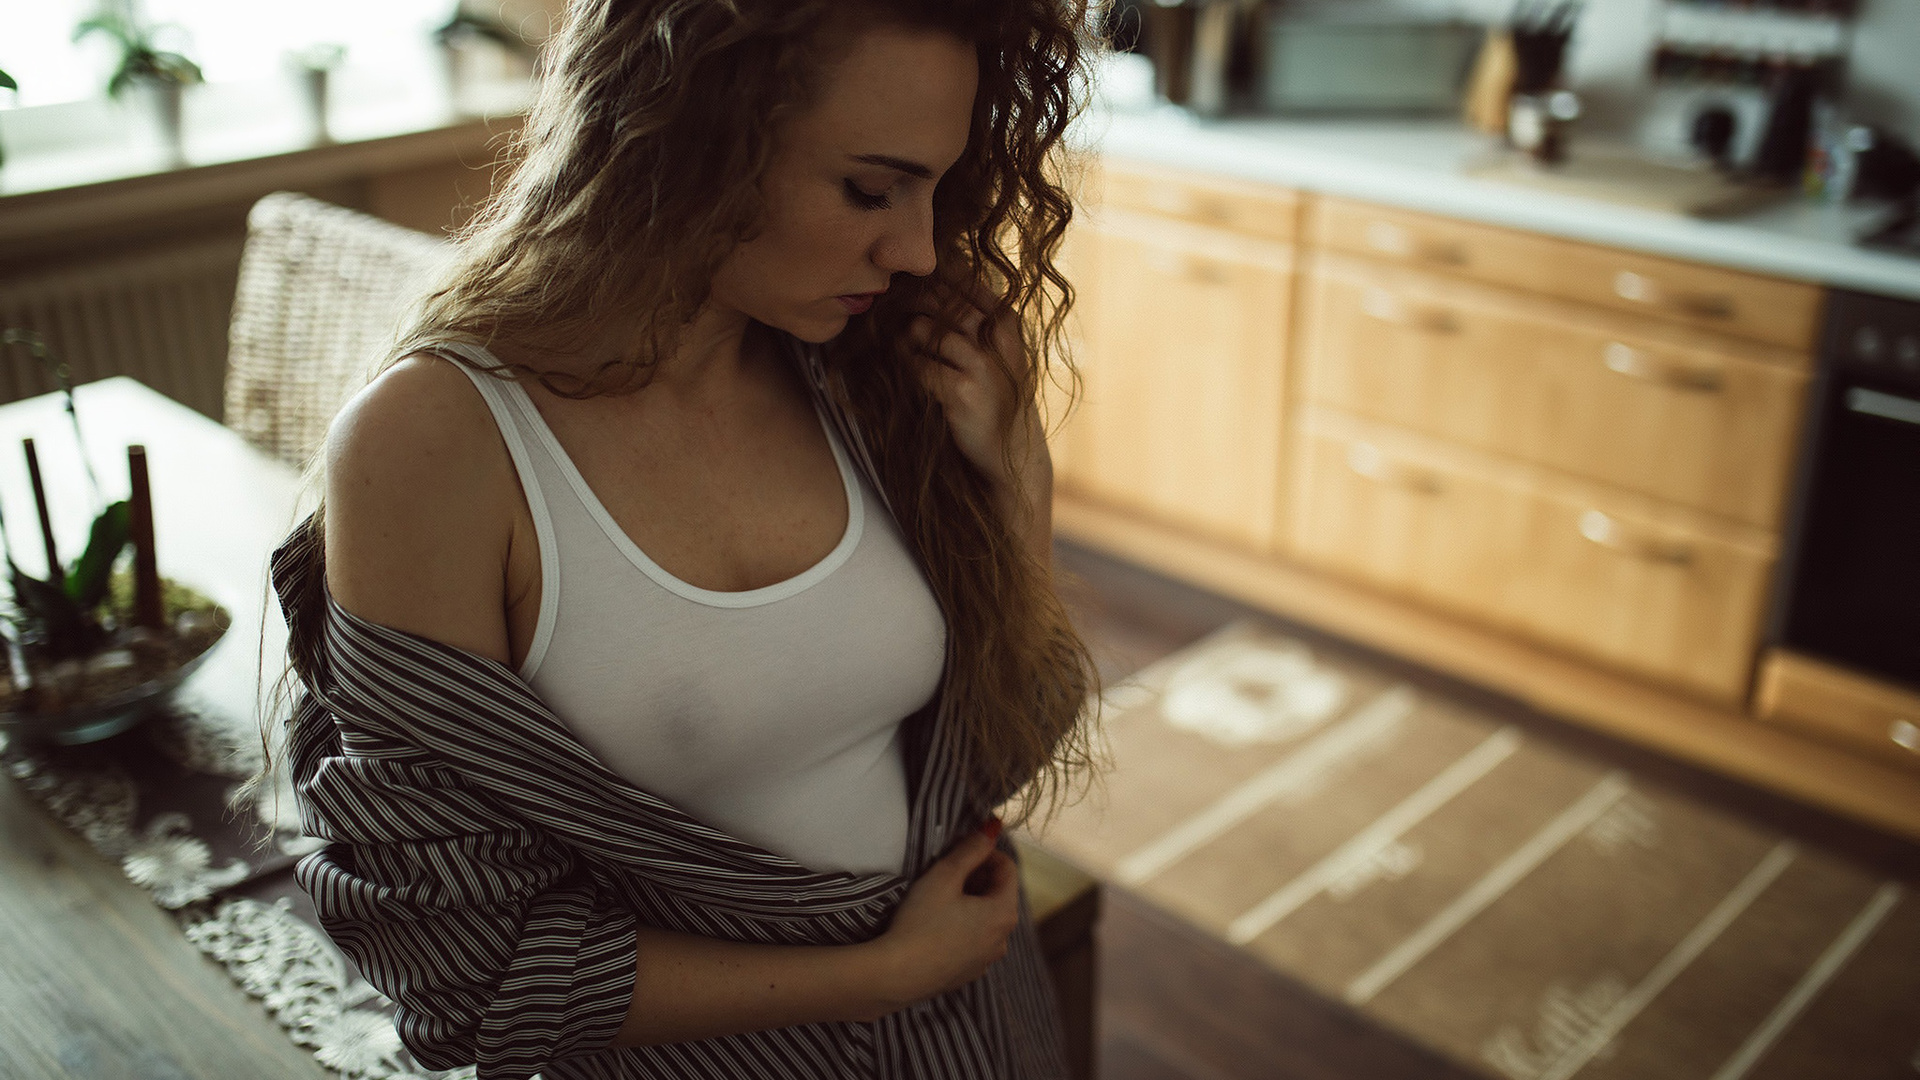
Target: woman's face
(849,192)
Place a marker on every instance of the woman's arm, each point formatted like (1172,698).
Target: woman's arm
(690,987)
(421,503)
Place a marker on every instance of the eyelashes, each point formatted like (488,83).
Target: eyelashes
(865,200)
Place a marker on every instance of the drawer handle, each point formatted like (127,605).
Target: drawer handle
(1180,202)
(1213,210)
(1905,735)
(1444,254)
(1387,308)
(1366,460)
(1631,362)
(1606,532)
(1390,239)
(1641,289)
(1191,267)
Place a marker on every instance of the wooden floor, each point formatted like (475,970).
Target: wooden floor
(1177,1005)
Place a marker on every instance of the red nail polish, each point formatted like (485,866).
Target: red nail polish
(992,828)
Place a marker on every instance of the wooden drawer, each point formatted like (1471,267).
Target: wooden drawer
(1259,210)
(1426,531)
(1182,355)
(1632,583)
(1771,310)
(1841,706)
(1675,414)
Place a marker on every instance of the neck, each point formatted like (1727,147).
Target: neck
(715,350)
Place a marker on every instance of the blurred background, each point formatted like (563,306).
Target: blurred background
(1493,495)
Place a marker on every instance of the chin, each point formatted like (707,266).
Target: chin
(816,329)
(814,335)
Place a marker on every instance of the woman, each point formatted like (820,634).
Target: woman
(680,610)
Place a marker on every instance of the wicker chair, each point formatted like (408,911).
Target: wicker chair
(321,294)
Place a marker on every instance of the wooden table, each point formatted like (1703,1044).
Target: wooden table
(95,979)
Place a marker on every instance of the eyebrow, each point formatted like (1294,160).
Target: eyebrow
(911,168)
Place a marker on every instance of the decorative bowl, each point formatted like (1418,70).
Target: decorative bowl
(108,716)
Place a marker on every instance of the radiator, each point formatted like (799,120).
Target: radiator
(158,315)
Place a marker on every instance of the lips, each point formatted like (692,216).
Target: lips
(855,303)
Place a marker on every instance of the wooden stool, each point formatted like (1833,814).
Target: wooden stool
(1065,904)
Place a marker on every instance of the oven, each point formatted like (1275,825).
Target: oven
(1850,585)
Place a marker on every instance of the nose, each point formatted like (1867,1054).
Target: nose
(907,243)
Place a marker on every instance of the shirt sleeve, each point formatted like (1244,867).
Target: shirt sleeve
(499,947)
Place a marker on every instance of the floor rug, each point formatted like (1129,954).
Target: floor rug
(1524,910)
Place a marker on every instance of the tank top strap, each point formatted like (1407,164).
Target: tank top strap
(509,404)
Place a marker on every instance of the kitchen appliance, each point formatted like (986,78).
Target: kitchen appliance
(1850,587)
(1322,60)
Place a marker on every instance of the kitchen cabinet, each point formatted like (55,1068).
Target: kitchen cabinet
(1181,342)
(1553,468)
(1256,210)
(1371,509)
(1867,714)
(1612,433)
(1655,589)
(1679,415)
(1741,305)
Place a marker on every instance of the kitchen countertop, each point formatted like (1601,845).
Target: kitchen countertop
(1421,165)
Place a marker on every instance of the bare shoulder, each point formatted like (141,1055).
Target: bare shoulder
(420,507)
(421,413)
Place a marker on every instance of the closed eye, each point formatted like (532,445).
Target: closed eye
(866,200)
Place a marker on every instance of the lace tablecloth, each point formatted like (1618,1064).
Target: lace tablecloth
(165,801)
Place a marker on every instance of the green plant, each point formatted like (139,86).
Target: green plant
(93,628)
(6,83)
(59,615)
(321,57)
(140,58)
(464,24)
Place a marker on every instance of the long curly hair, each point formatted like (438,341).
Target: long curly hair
(637,171)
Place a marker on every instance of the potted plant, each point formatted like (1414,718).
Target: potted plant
(161,74)
(314,66)
(465,37)
(95,642)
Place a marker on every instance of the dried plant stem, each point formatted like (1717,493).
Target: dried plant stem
(147,611)
(55,573)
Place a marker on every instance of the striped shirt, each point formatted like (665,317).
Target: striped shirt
(487,872)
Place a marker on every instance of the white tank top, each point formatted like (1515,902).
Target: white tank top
(773,714)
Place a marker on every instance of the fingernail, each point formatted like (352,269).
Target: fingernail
(992,828)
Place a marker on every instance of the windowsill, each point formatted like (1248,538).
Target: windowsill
(52,147)
(97,163)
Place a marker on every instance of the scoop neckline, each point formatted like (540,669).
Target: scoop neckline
(765,594)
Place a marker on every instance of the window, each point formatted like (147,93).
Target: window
(231,40)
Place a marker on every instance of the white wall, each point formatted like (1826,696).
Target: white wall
(1886,65)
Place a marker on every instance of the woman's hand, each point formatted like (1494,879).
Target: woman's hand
(975,391)
(945,934)
(996,430)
